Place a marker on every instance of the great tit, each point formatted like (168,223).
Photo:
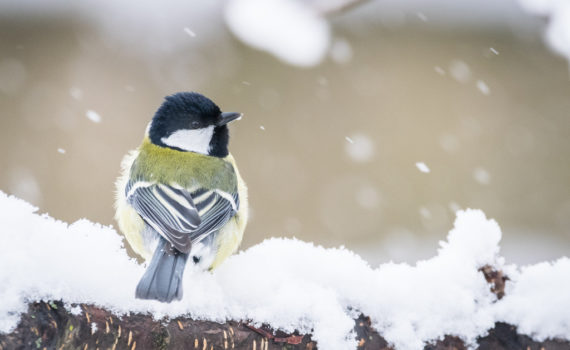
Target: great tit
(180,194)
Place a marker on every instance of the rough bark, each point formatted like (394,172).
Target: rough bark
(48,325)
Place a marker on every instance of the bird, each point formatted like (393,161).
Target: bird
(180,199)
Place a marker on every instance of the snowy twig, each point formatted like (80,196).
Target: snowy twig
(296,32)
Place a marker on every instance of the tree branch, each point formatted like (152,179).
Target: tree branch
(48,325)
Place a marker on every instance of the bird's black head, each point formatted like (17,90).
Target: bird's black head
(189,121)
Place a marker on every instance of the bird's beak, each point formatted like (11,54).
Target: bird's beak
(227,117)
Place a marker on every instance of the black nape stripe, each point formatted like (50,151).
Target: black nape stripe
(219,142)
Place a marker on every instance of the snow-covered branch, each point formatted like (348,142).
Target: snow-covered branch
(296,32)
(49,325)
(557,13)
(290,285)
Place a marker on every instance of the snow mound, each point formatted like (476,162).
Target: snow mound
(539,300)
(42,258)
(289,284)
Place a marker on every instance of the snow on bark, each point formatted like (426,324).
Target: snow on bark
(289,285)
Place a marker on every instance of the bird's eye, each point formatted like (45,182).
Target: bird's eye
(195,124)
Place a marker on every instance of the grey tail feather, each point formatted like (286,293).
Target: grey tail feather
(162,280)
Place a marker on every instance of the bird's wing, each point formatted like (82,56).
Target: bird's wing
(215,208)
(180,216)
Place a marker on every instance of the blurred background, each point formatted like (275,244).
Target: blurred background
(345,111)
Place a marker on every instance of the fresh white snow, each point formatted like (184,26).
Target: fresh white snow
(439,70)
(460,71)
(189,32)
(76,93)
(539,300)
(482,176)
(359,147)
(425,213)
(483,87)
(93,116)
(289,284)
(422,167)
(341,51)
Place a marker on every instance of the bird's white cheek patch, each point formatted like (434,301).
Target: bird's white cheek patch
(196,140)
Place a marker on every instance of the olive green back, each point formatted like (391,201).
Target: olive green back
(188,169)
